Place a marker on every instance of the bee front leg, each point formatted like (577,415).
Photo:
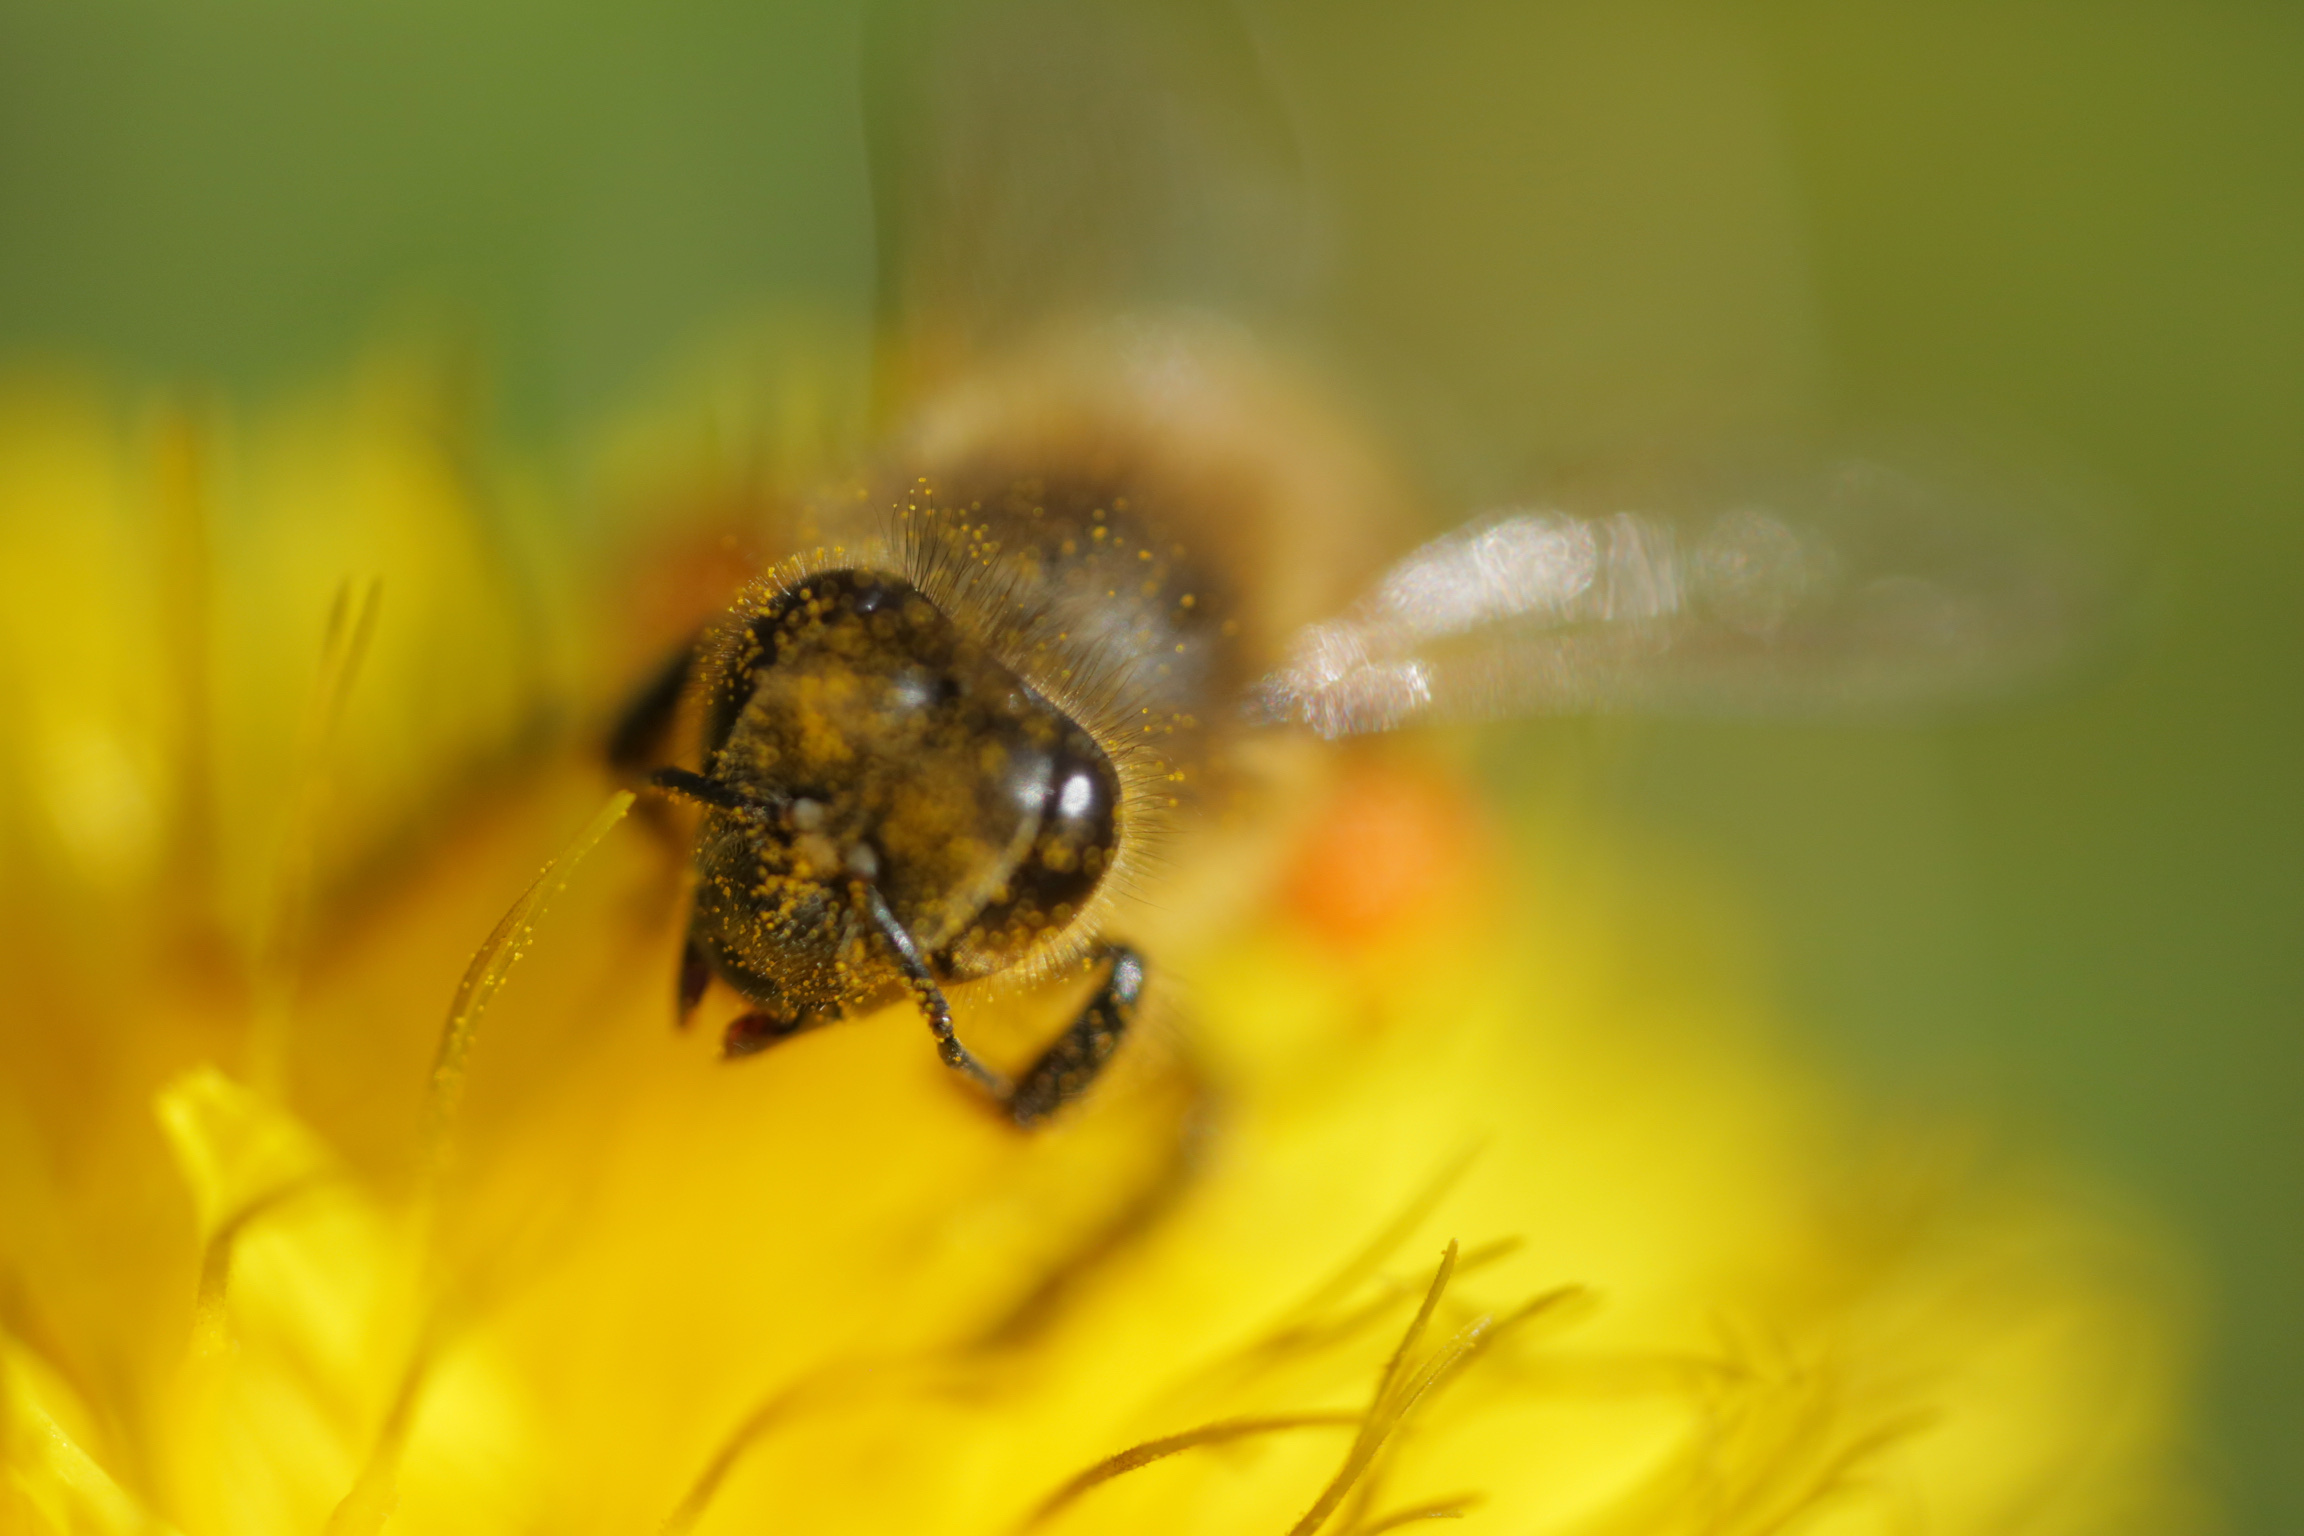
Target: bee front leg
(750,1033)
(695,976)
(1067,1068)
(767,1021)
(920,981)
(643,730)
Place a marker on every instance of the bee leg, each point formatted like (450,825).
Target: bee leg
(769,1020)
(642,731)
(921,982)
(1066,1069)
(695,976)
(750,1033)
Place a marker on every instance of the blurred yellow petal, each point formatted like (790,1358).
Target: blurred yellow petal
(1448,1185)
(53,1484)
(297,1324)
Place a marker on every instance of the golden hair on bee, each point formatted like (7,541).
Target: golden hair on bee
(1118,637)
(964,743)
(1060,586)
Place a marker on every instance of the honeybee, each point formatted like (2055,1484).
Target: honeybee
(1117,580)
(1098,586)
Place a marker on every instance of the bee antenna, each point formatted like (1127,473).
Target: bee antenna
(684,785)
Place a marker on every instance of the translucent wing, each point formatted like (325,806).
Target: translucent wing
(1850,588)
(1037,163)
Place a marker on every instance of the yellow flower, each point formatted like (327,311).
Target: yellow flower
(1453,1185)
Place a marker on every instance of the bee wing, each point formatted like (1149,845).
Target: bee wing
(1855,589)
(1043,162)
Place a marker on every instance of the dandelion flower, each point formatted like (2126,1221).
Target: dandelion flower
(1461,1187)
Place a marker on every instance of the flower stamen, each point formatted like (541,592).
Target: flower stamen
(1221,1432)
(486,975)
(1402,1388)
(351,626)
(1453,1508)
(1391,1403)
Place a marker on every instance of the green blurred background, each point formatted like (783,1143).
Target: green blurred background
(2066,235)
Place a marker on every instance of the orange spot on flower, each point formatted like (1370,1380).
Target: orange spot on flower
(1394,841)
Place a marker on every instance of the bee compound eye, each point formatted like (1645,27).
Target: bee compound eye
(1071,851)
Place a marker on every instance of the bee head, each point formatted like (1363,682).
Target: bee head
(855,734)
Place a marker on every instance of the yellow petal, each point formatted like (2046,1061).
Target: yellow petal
(53,1484)
(829,1289)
